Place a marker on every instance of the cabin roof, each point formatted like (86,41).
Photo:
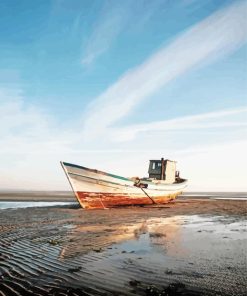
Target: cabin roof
(156,160)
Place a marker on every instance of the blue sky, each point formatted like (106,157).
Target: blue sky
(112,84)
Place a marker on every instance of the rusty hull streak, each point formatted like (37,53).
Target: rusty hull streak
(95,200)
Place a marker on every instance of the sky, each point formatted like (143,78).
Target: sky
(112,84)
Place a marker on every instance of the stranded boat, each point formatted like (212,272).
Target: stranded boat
(97,189)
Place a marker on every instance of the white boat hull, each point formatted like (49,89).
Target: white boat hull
(96,189)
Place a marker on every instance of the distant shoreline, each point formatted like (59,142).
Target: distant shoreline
(36,199)
(37,196)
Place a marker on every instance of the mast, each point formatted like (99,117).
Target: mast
(162,169)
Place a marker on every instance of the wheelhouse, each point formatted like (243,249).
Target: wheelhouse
(163,169)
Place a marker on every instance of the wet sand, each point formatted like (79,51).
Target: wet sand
(189,247)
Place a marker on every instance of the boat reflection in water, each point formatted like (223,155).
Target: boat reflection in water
(160,234)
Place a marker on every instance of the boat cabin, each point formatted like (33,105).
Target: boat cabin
(162,170)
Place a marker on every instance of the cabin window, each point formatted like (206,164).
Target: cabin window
(153,167)
(159,164)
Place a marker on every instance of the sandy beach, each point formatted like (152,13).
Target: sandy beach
(189,247)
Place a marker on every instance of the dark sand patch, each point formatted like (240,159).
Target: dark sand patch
(192,247)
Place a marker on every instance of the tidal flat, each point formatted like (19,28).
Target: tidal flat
(188,247)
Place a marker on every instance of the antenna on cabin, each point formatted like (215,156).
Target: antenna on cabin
(162,169)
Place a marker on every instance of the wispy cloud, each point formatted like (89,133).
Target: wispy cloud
(216,36)
(114,17)
(236,117)
(110,23)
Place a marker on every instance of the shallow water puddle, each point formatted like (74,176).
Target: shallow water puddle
(167,232)
(198,251)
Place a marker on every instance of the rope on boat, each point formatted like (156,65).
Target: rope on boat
(153,202)
(138,184)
